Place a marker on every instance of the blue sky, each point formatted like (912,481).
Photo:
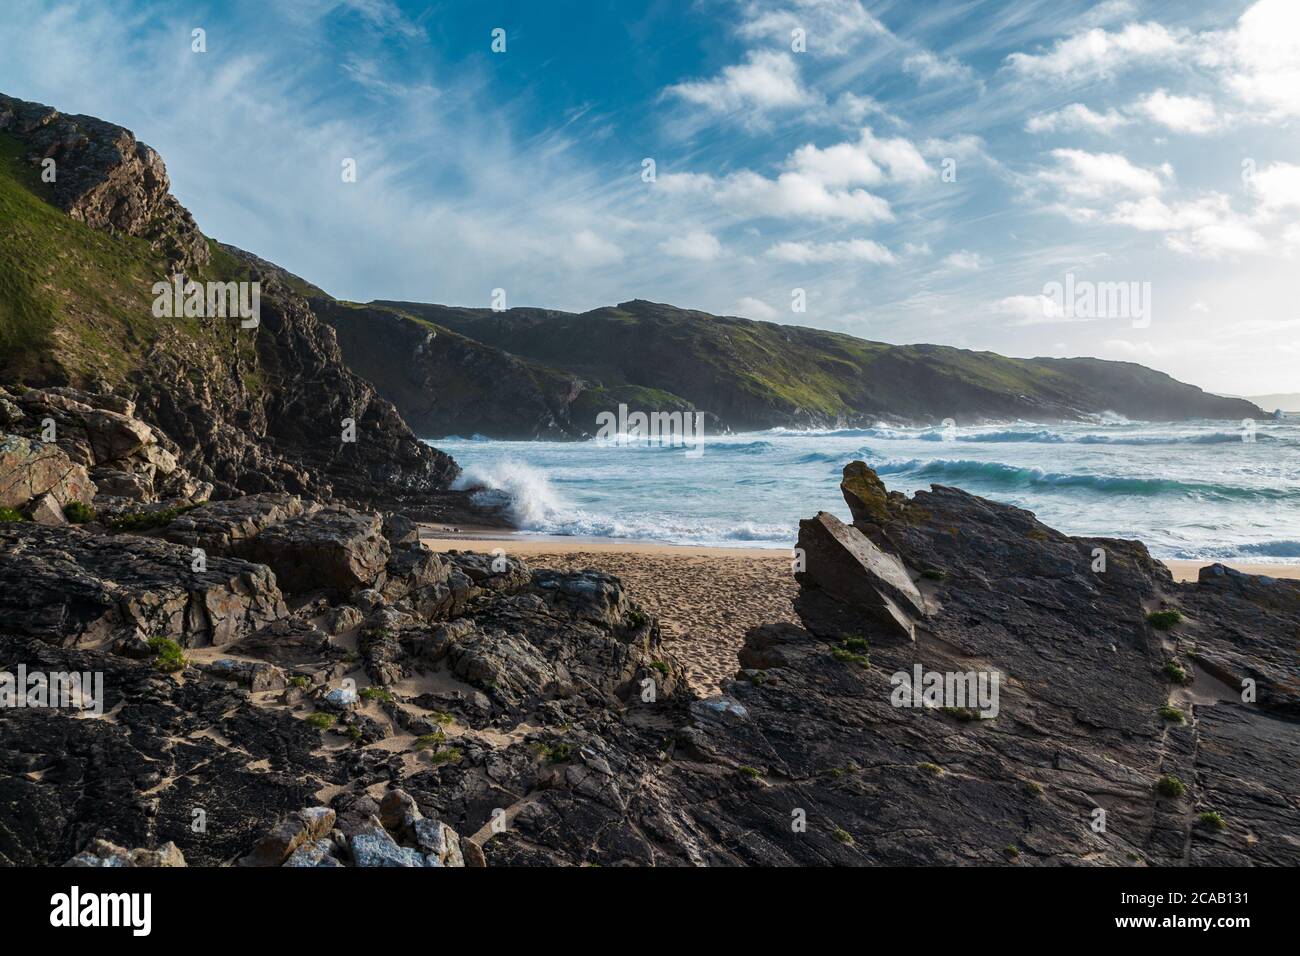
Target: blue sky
(1121,141)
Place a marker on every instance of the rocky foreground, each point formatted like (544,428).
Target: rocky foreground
(321,690)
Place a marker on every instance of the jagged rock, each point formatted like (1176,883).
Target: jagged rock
(101,853)
(46,510)
(842,563)
(307,827)
(255,675)
(374,847)
(30,469)
(440,843)
(399,814)
(67,585)
(318,853)
(219,527)
(338,550)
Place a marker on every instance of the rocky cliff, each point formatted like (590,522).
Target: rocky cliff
(967,686)
(247,409)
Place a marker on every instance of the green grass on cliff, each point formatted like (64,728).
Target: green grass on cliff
(76,303)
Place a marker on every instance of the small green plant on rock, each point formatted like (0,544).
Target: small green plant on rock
(934,574)
(660,666)
(450,755)
(169,658)
(1177,673)
(753,773)
(931,768)
(1013,851)
(1171,787)
(844,836)
(425,741)
(78,512)
(376,693)
(301,682)
(321,721)
(846,656)
(1164,620)
(1212,819)
(1173,714)
(9,514)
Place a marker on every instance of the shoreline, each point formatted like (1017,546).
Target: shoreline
(466,537)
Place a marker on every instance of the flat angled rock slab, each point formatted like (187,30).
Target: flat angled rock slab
(844,564)
(70,586)
(30,469)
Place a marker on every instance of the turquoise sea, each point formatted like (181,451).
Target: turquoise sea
(1195,490)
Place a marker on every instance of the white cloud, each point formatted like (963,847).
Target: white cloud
(1084,175)
(930,67)
(1076,117)
(964,260)
(767,81)
(1262,57)
(748,195)
(700,246)
(1030,309)
(816,183)
(752,308)
(867,162)
(1206,227)
(832,27)
(848,250)
(1277,186)
(1097,53)
(1183,114)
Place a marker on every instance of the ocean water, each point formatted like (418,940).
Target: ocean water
(1192,490)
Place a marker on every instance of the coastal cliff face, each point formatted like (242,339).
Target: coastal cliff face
(559,729)
(750,375)
(247,409)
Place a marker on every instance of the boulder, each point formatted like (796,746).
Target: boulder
(845,565)
(335,550)
(221,527)
(305,827)
(102,853)
(30,469)
(71,586)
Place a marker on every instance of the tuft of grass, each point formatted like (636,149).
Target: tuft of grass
(931,768)
(1033,788)
(353,732)
(752,773)
(1176,673)
(1171,787)
(441,717)
(1013,851)
(846,656)
(660,666)
(147,520)
(636,617)
(425,741)
(1164,620)
(1172,714)
(9,514)
(1212,819)
(300,681)
(858,644)
(78,512)
(450,755)
(934,574)
(169,657)
(321,720)
(844,836)
(376,693)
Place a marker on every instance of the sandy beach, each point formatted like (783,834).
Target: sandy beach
(705,598)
